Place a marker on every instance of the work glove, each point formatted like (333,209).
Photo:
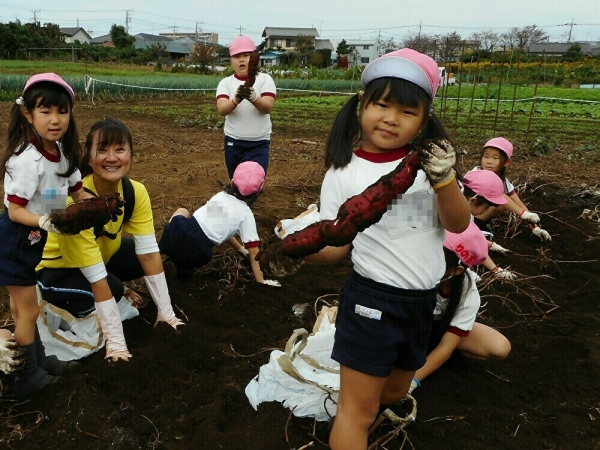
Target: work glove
(157,285)
(46,224)
(529,216)
(438,158)
(413,385)
(252,96)
(499,249)
(542,234)
(112,327)
(273,283)
(244,252)
(12,356)
(503,274)
(239,95)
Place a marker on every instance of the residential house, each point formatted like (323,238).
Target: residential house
(178,48)
(271,58)
(73,34)
(363,52)
(105,41)
(285,38)
(203,36)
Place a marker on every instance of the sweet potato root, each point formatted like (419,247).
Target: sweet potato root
(356,214)
(88,213)
(252,69)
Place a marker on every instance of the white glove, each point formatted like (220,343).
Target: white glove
(542,234)
(272,283)
(244,252)
(252,96)
(157,285)
(112,327)
(46,224)
(413,385)
(438,159)
(286,227)
(504,274)
(529,216)
(12,356)
(498,248)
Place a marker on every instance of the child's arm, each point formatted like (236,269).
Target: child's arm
(80,194)
(503,274)
(20,214)
(264,104)
(328,255)
(439,355)
(453,208)
(225,106)
(258,275)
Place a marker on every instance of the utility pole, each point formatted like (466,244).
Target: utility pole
(35,13)
(198,32)
(570,31)
(240,30)
(127,19)
(174,30)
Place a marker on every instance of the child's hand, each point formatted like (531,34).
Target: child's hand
(498,248)
(438,158)
(12,356)
(413,385)
(239,95)
(503,274)
(542,234)
(244,252)
(529,216)
(252,96)
(274,283)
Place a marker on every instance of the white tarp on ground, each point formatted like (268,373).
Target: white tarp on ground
(70,338)
(303,378)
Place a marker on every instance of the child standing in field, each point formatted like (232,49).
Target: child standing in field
(484,190)
(458,301)
(386,307)
(40,171)
(496,156)
(246,109)
(188,241)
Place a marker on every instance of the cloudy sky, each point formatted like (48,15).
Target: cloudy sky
(333,19)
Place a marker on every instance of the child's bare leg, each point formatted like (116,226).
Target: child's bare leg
(357,409)
(180,212)
(25,309)
(484,342)
(396,386)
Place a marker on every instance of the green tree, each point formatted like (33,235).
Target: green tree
(573,53)
(120,38)
(305,45)
(203,55)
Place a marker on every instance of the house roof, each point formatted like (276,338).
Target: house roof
(72,31)
(558,47)
(323,44)
(153,37)
(289,32)
(102,39)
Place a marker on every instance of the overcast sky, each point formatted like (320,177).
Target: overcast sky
(333,19)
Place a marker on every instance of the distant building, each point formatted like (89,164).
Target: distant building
(207,37)
(363,52)
(561,48)
(75,34)
(285,38)
(179,48)
(105,41)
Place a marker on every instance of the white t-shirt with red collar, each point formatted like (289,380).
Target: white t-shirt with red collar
(245,122)
(32,180)
(466,312)
(403,249)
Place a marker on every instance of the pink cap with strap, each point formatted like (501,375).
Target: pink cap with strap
(487,184)
(502,144)
(249,177)
(52,78)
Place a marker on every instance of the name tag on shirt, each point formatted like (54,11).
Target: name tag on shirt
(369,313)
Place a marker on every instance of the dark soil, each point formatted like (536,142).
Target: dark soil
(186,390)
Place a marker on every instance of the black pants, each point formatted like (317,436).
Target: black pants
(68,289)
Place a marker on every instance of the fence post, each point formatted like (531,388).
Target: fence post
(542,63)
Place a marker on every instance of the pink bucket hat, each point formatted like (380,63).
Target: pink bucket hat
(470,246)
(407,64)
(249,177)
(487,184)
(241,44)
(53,78)
(501,144)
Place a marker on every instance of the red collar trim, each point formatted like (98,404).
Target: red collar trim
(240,78)
(392,155)
(46,154)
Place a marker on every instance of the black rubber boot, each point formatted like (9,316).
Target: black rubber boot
(31,378)
(51,364)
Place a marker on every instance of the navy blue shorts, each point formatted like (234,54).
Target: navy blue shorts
(379,327)
(238,151)
(185,243)
(21,251)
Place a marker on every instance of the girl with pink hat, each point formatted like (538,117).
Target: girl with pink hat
(496,157)
(386,306)
(246,108)
(40,168)
(458,303)
(484,190)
